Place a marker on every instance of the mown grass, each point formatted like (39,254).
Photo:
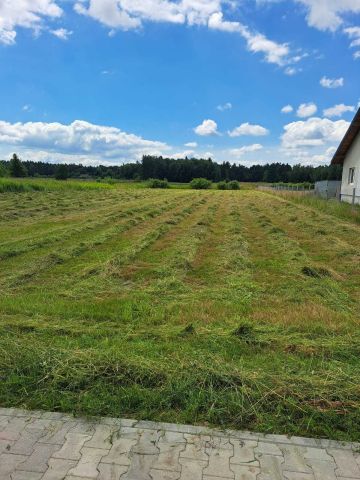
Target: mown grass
(234,309)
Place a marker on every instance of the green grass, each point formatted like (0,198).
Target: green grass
(29,185)
(342,210)
(183,306)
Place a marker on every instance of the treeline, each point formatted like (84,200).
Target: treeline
(183,171)
(187,169)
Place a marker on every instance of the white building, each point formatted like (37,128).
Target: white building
(348,155)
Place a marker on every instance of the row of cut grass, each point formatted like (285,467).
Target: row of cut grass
(208,318)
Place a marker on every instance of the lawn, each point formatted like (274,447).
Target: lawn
(228,308)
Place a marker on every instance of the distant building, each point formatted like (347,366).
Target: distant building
(348,155)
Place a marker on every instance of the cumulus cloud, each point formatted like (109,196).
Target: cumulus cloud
(207,128)
(61,33)
(248,129)
(338,110)
(238,152)
(224,107)
(306,110)
(328,14)
(191,144)
(287,109)
(132,14)
(332,82)
(79,138)
(313,132)
(25,14)
(305,157)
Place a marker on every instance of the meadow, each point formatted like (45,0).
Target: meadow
(226,308)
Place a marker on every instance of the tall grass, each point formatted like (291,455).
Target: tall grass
(342,210)
(27,185)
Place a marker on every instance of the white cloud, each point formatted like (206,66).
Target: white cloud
(224,107)
(27,108)
(131,14)
(313,132)
(208,127)
(25,14)
(306,110)
(304,157)
(332,82)
(338,110)
(287,109)
(61,33)
(238,152)
(328,14)
(291,71)
(185,153)
(354,34)
(78,139)
(191,144)
(355,43)
(249,129)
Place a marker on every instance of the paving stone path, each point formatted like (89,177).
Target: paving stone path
(54,446)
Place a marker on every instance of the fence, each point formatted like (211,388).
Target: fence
(290,188)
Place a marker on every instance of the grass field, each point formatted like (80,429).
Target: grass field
(237,309)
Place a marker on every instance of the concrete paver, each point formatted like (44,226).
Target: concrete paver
(55,446)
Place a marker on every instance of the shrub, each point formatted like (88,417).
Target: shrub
(233,185)
(222,185)
(200,183)
(157,183)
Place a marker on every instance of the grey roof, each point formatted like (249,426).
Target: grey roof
(347,141)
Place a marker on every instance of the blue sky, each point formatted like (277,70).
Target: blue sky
(105,81)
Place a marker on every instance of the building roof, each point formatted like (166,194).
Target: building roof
(347,141)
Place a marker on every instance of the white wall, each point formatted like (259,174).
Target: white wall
(352,160)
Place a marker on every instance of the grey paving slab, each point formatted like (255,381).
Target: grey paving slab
(56,446)
(58,468)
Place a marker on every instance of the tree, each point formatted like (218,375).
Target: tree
(16,168)
(62,172)
(3,170)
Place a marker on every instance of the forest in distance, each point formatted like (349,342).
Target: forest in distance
(182,170)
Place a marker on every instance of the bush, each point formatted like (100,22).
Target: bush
(233,185)
(156,183)
(200,183)
(222,185)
